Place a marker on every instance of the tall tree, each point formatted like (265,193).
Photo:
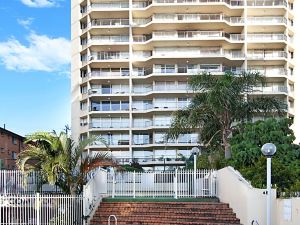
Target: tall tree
(219,102)
(60,160)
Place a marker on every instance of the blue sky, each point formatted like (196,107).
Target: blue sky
(34,65)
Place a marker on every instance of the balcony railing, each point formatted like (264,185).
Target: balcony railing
(272,89)
(109,125)
(161,35)
(184,70)
(155,160)
(191,53)
(158,106)
(104,39)
(267,19)
(110,5)
(144,4)
(110,73)
(270,71)
(187,18)
(96,91)
(267,3)
(145,124)
(111,142)
(161,89)
(267,37)
(266,54)
(109,22)
(108,55)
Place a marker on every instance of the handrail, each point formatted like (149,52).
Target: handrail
(254,222)
(115,218)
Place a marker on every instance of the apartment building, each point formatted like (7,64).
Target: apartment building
(10,145)
(131,61)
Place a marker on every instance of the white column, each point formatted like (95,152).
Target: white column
(195,170)
(269,191)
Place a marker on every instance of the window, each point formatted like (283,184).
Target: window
(14,140)
(13,155)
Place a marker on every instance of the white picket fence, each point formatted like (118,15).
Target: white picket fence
(41,210)
(15,182)
(177,184)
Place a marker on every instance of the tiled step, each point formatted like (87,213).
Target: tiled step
(164,213)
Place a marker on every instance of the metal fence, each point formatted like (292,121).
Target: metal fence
(177,184)
(41,210)
(15,182)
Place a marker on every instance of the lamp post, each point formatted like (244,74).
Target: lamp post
(268,150)
(195,152)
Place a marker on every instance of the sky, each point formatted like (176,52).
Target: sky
(34,65)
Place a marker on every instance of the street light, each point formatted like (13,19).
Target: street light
(268,150)
(195,152)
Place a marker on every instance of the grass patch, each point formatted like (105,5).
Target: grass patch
(158,199)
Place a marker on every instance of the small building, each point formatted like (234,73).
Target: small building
(10,145)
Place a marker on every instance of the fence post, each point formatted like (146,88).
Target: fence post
(4,173)
(113,185)
(133,184)
(175,184)
(38,208)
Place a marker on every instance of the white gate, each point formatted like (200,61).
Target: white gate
(177,184)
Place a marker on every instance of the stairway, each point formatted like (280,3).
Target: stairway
(163,213)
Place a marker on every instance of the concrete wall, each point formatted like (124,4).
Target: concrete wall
(250,203)
(288,211)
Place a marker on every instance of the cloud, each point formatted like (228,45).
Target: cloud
(42,54)
(40,3)
(25,22)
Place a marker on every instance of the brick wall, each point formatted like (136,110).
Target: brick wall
(10,145)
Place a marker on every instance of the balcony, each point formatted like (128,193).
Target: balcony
(108,125)
(109,56)
(144,4)
(109,39)
(178,35)
(265,55)
(110,22)
(108,91)
(190,52)
(118,72)
(271,89)
(111,142)
(270,71)
(259,37)
(170,18)
(151,160)
(150,123)
(161,88)
(266,20)
(159,106)
(187,70)
(110,5)
(267,3)
(112,106)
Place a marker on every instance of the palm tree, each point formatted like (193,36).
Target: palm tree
(218,103)
(60,160)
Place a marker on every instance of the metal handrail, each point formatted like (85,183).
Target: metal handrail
(115,218)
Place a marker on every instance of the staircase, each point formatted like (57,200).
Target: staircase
(164,213)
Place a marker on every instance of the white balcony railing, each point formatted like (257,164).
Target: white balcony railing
(109,124)
(99,91)
(267,20)
(109,22)
(266,37)
(108,56)
(257,54)
(169,18)
(272,89)
(108,39)
(177,35)
(161,88)
(122,72)
(110,5)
